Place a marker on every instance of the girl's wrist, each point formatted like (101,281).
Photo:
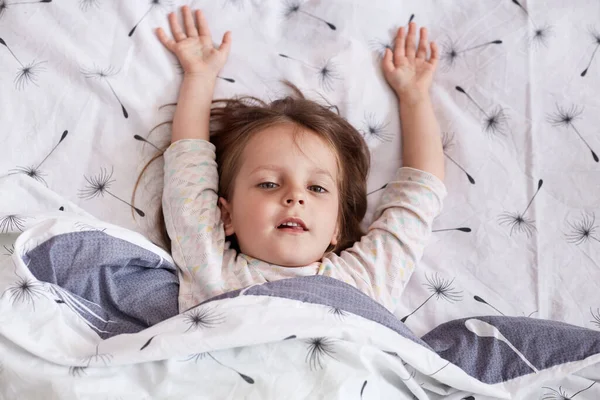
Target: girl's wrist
(413,97)
(200,77)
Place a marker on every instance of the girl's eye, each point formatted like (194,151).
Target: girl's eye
(266,185)
(320,189)
(271,185)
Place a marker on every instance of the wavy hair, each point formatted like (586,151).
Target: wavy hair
(233,122)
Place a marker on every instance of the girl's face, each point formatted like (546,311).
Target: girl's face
(281,178)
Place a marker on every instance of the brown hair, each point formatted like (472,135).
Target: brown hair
(233,123)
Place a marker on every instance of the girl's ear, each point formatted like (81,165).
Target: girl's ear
(225,207)
(336,234)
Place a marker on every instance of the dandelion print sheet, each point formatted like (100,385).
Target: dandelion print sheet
(514,257)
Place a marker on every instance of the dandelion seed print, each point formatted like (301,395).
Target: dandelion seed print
(230,80)
(153,5)
(5,5)
(141,139)
(379,46)
(596,317)
(438,370)
(561,394)
(98,358)
(447,144)
(202,318)
(479,299)
(518,221)
(34,171)
(338,312)
(200,356)
(463,229)
(362,389)
(318,350)
(450,52)
(411,375)
(98,185)
(85,5)
(531,313)
(486,330)
(195,357)
(376,129)
(9,251)
(441,289)
(583,230)
(293,7)
(77,372)
(377,190)
(566,118)
(25,290)
(12,223)
(147,342)
(494,122)
(540,34)
(596,38)
(104,75)
(27,73)
(327,72)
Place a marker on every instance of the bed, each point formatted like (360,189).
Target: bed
(511,274)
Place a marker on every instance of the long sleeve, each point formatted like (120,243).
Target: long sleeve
(193,218)
(384,259)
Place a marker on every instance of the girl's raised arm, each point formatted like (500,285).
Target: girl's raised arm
(192,218)
(384,259)
(409,72)
(201,62)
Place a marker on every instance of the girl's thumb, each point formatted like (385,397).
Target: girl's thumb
(388,60)
(226,43)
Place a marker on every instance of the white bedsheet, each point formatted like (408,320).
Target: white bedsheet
(543,116)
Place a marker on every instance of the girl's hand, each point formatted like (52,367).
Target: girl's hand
(407,70)
(194,47)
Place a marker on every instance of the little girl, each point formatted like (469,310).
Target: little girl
(258,192)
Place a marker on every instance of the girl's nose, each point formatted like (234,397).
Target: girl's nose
(295,195)
(291,200)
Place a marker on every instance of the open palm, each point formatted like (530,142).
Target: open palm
(194,47)
(407,68)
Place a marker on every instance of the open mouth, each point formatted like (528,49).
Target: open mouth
(288,228)
(292,225)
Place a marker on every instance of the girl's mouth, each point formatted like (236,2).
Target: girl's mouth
(291,229)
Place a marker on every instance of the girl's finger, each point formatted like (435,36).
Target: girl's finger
(423,45)
(388,61)
(399,45)
(410,40)
(176,28)
(226,43)
(164,39)
(202,24)
(435,54)
(188,22)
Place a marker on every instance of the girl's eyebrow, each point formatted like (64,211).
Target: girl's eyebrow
(272,167)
